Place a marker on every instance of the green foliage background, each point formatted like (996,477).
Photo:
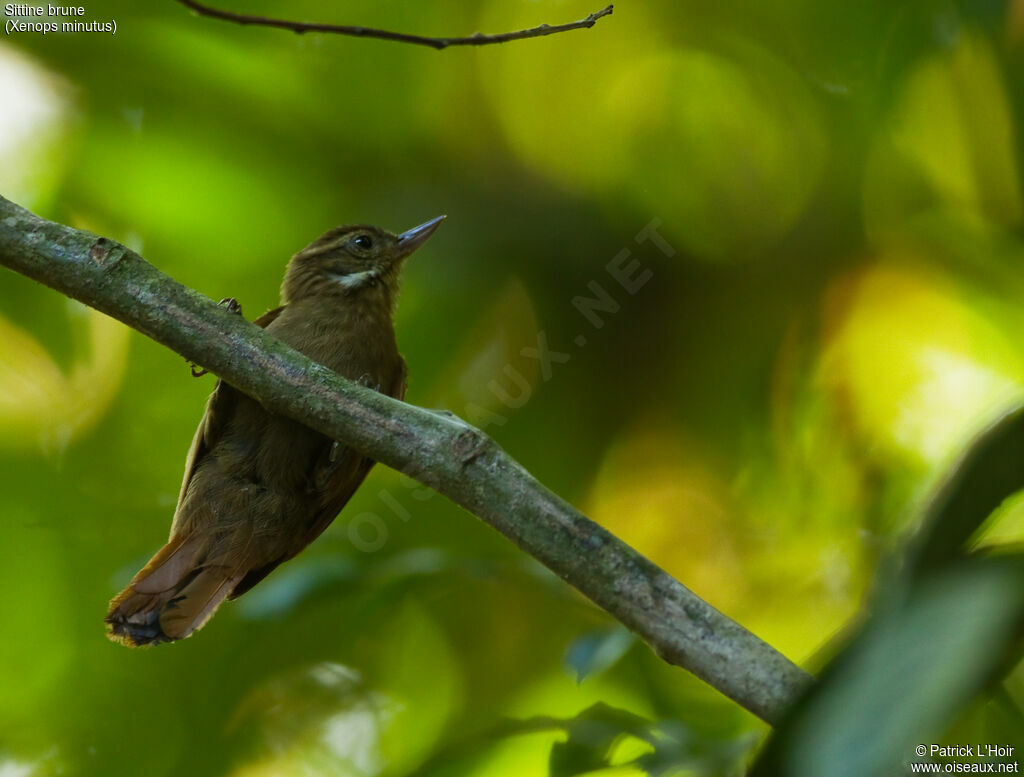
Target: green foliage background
(767,418)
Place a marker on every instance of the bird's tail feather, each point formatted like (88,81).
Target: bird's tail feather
(172,596)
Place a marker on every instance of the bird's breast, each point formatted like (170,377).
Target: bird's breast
(355,341)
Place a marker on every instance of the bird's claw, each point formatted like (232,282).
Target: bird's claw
(231,305)
(367,380)
(326,467)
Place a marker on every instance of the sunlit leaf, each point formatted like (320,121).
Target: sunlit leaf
(652,492)
(905,349)
(658,495)
(1006,525)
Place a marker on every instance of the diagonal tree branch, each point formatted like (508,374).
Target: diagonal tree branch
(441,451)
(479,39)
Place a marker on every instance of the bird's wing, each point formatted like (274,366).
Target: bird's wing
(398,384)
(219,408)
(338,472)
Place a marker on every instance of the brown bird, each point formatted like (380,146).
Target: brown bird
(260,487)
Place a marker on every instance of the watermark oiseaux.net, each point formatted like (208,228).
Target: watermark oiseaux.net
(965,759)
(623,274)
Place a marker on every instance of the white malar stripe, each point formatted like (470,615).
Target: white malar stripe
(356,279)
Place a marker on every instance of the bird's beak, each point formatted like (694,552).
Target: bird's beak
(413,238)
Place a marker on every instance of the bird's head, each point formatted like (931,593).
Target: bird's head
(349,260)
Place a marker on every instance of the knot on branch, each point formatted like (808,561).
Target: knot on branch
(469,445)
(104,251)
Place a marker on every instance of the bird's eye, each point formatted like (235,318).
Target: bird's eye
(362,241)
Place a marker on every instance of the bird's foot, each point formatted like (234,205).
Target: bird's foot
(231,305)
(330,462)
(367,380)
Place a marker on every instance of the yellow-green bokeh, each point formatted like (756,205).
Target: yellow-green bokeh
(832,315)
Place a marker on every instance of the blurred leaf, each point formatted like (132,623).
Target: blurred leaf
(325,713)
(33,586)
(40,405)
(415,666)
(592,734)
(34,129)
(596,651)
(290,585)
(572,757)
(948,145)
(380,718)
(232,216)
(311,575)
(655,492)
(876,43)
(679,145)
(1004,528)
(540,116)
(606,737)
(903,676)
(743,191)
(989,472)
(790,132)
(596,737)
(488,376)
(660,493)
(905,348)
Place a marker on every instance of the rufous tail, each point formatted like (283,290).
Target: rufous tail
(170,597)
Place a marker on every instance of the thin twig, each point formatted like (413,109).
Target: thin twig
(439,450)
(358,31)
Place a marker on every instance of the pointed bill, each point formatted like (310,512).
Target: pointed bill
(413,238)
